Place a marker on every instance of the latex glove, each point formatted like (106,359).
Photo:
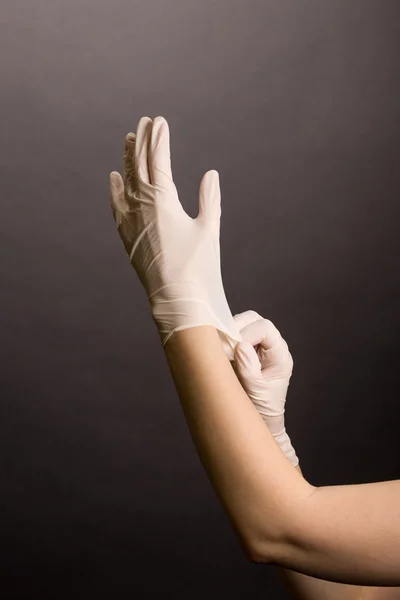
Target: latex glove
(264,365)
(176,257)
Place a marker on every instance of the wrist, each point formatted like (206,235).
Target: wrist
(190,338)
(184,305)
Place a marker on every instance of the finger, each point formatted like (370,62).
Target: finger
(129,164)
(210,198)
(273,350)
(141,152)
(277,356)
(257,333)
(244,319)
(160,155)
(117,195)
(247,364)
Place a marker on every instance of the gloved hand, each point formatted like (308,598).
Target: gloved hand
(264,365)
(176,257)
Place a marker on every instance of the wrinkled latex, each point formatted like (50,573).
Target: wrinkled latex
(176,257)
(264,365)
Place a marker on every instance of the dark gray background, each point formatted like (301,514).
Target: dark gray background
(296,104)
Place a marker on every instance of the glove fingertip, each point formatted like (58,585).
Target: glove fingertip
(115,181)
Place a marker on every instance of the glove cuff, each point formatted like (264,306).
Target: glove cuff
(181,306)
(276,425)
(283,440)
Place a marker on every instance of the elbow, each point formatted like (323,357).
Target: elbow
(277,545)
(261,554)
(257,558)
(257,552)
(272,545)
(260,548)
(254,552)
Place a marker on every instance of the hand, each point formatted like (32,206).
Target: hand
(264,365)
(177,258)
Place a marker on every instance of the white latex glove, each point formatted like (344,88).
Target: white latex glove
(176,257)
(264,365)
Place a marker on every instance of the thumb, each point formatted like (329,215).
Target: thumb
(210,198)
(247,363)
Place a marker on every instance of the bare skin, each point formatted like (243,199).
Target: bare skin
(305,587)
(345,534)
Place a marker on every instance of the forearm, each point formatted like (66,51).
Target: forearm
(305,587)
(345,534)
(253,479)
(227,441)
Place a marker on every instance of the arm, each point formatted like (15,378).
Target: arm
(251,476)
(279,517)
(347,534)
(264,366)
(305,587)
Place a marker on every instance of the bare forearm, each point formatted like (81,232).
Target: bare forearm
(348,533)
(305,587)
(345,534)
(253,479)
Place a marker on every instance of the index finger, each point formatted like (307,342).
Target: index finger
(272,348)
